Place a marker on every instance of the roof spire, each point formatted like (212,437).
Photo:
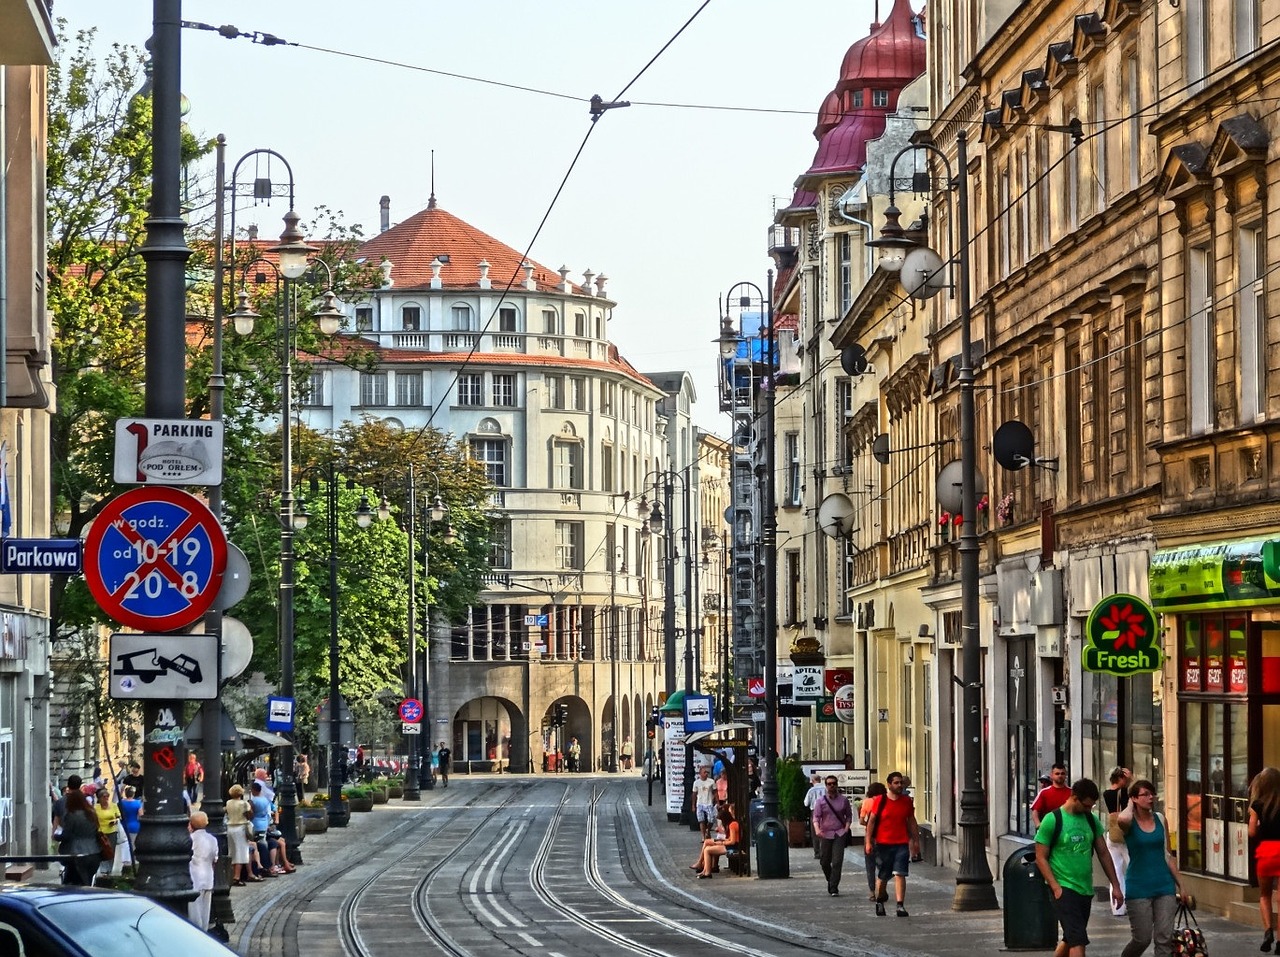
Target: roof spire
(431,200)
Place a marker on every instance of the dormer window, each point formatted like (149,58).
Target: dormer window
(857,98)
(364,318)
(411,318)
(879,97)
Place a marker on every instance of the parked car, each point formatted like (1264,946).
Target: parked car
(90,922)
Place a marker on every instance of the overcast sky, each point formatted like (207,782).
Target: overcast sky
(671,204)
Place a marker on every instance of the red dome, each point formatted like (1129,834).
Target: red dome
(844,148)
(829,116)
(893,55)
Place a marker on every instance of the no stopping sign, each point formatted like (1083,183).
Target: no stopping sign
(154,558)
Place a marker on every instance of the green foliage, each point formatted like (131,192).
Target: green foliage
(792,788)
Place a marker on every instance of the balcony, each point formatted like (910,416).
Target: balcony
(26,33)
(509,342)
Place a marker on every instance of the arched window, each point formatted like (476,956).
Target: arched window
(462,317)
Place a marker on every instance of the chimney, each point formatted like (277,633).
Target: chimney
(384,206)
(436,266)
(564,279)
(528,275)
(484,274)
(587,276)
(253,232)
(600,281)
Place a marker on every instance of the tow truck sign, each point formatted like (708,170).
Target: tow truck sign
(163,667)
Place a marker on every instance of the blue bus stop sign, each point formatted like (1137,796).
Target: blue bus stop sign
(154,558)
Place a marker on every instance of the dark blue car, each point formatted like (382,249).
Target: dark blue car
(86,922)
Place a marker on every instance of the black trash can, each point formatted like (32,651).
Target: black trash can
(773,859)
(1029,920)
(757,813)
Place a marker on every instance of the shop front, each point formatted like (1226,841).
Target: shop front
(1221,608)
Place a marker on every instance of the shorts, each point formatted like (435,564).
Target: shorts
(706,814)
(1072,911)
(892,859)
(1268,858)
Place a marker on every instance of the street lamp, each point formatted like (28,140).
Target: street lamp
(975,888)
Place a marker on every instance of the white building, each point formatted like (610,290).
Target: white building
(568,431)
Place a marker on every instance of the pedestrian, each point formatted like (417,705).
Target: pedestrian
(703,793)
(301,774)
(1116,798)
(108,815)
(866,811)
(131,779)
(60,805)
(130,820)
(816,790)
(239,825)
(832,818)
(753,777)
(204,855)
(192,776)
(626,753)
(1052,797)
(713,849)
(1152,885)
(722,786)
(575,756)
(260,776)
(1066,838)
(444,760)
(1264,827)
(894,837)
(79,840)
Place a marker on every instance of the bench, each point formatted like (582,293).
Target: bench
(739,861)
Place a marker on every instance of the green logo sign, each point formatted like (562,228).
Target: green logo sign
(1122,637)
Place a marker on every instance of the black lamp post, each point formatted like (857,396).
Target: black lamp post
(975,888)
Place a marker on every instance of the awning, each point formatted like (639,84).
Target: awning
(735,728)
(252,738)
(1231,574)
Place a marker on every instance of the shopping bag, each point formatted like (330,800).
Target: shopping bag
(1188,938)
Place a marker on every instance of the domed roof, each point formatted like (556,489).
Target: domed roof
(893,54)
(829,115)
(844,148)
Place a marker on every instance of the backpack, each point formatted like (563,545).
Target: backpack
(1056,814)
(1188,938)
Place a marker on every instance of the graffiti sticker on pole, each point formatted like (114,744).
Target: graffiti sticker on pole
(154,558)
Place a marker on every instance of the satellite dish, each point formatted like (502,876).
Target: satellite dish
(235,580)
(835,516)
(922,275)
(1014,446)
(237,647)
(949,482)
(853,359)
(880,448)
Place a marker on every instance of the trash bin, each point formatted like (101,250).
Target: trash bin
(773,859)
(1029,920)
(756,814)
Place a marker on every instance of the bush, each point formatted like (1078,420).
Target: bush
(792,787)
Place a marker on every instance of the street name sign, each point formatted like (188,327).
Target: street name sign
(154,558)
(163,667)
(168,452)
(35,556)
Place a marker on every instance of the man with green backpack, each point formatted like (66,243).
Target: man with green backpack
(1066,842)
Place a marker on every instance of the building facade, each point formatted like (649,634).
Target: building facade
(514,359)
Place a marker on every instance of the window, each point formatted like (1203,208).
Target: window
(364,318)
(1133,106)
(409,388)
(550,322)
(1072,173)
(792,441)
(626,414)
(1252,325)
(577,393)
(606,397)
(411,318)
(1100,148)
(879,97)
(500,543)
(569,546)
(580,324)
(507,319)
(606,467)
(1006,240)
(1199,345)
(462,317)
(504,389)
(555,392)
(492,456)
(1022,206)
(373,388)
(1100,393)
(566,459)
(1246,26)
(315,389)
(857,98)
(1196,40)
(470,389)
(792,579)
(845,242)
(1044,207)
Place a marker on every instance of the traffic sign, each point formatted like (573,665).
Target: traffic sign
(410,710)
(410,728)
(161,667)
(279,713)
(40,555)
(154,558)
(168,452)
(538,621)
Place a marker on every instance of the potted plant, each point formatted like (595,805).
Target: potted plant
(358,798)
(395,787)
(378,791)
(314,816)
(792,788)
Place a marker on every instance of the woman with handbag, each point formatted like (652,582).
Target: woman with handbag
(79,840)
(1264,827)
(111,835)
(1153,886)
(239,827)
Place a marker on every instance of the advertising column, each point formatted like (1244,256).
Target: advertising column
(673,763)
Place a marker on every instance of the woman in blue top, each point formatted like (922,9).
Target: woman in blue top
(1153,886)
(130,812)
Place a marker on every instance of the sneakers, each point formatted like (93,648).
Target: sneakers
(902,911)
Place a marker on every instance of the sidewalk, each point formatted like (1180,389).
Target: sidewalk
(801,903)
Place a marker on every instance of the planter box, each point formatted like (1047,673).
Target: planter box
(380,797)
(395,791)
(316,822)
(360,804)
(797,834)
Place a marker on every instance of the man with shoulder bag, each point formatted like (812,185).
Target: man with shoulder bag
(832,818)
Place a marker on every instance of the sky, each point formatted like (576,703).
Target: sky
(672,204)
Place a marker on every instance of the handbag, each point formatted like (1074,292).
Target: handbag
(106,845)
(1188,938)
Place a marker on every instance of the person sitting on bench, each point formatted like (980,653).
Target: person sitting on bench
(712,849)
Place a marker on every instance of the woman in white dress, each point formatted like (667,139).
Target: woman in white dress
(238,837)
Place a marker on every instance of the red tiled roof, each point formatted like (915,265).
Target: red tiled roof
(787,321)
(413,244)
(343,347)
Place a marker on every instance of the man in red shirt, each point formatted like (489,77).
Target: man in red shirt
(894,838)
(1051,798)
